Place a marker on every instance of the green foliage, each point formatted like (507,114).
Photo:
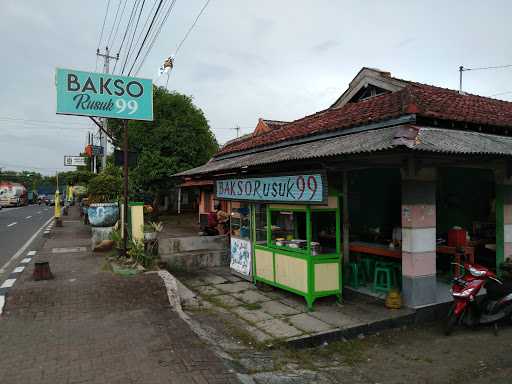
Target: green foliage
(137,253)
(179,138)
(105,187)
(116,237)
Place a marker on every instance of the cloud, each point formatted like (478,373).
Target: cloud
(325,46)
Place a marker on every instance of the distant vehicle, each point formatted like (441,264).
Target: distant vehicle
(32,197)
(50,200)
(13,194)
(42,199)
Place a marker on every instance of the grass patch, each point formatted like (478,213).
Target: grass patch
(348,352)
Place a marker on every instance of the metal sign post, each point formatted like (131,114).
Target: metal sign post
(125,189)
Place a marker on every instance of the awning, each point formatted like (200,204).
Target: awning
(405,136)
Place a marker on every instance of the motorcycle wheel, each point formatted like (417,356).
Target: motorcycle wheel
(451,321)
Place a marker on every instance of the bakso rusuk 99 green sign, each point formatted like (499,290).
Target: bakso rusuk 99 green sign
(103,95)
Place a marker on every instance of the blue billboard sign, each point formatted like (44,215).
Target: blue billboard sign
(103,95)
(305,188)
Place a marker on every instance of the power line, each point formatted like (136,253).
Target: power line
(2,164)
(103,27)
(119,23)
(191,27)
(156,34)
(462,69)
(133,35)
(141,31)
(146,36)
(32,121)
(481,68)
(114,24)
(128,25)
(499,94)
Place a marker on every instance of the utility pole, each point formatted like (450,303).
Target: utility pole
(106,69)
(237,129)
(461,69)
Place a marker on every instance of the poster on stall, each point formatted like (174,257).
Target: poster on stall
(241,256)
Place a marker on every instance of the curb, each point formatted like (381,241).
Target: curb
(171,286)
(13,276)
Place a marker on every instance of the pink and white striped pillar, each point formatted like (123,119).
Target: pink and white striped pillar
(419,285)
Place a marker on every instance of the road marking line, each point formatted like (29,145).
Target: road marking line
(18,269)
(69,250)
(8,283)
(28,217)
(10,225)
(26,260)
(31,253)
(39,212)
(24,247)
(2,303)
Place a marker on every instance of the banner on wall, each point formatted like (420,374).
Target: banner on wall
(303,188)
(241,256)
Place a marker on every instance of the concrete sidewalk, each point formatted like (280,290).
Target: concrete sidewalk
(90,326)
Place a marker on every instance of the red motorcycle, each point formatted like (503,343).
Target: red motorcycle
(489,309)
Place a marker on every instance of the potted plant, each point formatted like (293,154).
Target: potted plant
(152,229)
(104,191)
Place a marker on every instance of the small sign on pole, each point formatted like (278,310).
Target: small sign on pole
(97,150)
(104,95)
(76,161)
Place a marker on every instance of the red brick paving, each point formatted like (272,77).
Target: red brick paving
(89,326)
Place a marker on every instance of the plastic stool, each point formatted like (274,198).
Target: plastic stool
(383,279)
(368,263)
(354,274)
(394,267)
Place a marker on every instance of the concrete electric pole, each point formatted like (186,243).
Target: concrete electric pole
(103,138)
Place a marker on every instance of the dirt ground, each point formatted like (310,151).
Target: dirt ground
(419,354)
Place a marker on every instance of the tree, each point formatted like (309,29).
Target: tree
(179,138)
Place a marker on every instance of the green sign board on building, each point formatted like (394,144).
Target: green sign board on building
(303,188)
(103,95)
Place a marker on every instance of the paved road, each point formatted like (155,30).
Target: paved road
(17,226)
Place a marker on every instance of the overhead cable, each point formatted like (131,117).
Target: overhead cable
(103,26)
(114,24)
(156,34)
(133,35)
(191,27)
(118,24)
(128,25)
(145,37)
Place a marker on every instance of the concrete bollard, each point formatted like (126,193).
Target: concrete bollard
(42,271)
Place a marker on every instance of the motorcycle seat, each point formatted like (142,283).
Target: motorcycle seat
(496,291)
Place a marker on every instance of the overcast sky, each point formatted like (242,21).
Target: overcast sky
(277,59)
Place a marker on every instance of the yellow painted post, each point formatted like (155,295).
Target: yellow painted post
(137,221)
(58,211)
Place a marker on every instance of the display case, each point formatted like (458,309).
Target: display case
(302,253)
(240,241)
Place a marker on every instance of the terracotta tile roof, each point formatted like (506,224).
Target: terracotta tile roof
(377,108)
(421,99)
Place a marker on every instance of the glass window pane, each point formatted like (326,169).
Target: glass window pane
(323,230)
(261,224)
(240,222)
(289,229)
